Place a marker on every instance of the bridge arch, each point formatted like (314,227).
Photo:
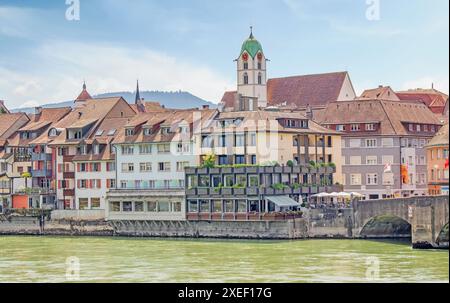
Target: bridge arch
(443,235)
(386,226)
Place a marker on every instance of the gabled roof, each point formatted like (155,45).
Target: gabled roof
(301,91)
(432,98)
(392,115)
(8,120)
(381,92)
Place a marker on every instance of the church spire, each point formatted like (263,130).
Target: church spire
(251,33)
(84,95)
(138,97)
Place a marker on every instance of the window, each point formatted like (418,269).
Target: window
(371,143)
(182,165)
(229,181)
(183,148)
(95,203)
(145,167)
(355,179)
(387,142)
(259,78)
(241,180)
(127,206)
(355,142)
(129,132)
(355,127)
(99,133)
(223,160)
(241,206)
(147,131)
(411,127)
(123,184)
(138,206)
(96,167)
(145,149)
(217,206)
(340,128)
(127,150)
(164,148)
(83,203)
(253,180)
(418,127)
(372,179)
(245,65)
(239,159)
(355,160)
(387,159)
(222,141)
(204,206)
(114,206)
(370,126)
(371,160)
(152,206)
(245,78)
(207,141)
(228,206)
(96,149)
(252,139)
(165,130)
(259,65)
(110,166)
(192,206)
(164,166)
(176,207)
(127,167)
(239,140)
(253,159)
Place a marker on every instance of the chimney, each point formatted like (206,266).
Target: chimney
(309,112)
(37,110)
(205,106)
(380,86)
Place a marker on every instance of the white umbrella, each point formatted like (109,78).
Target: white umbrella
(357,195)
(343,195)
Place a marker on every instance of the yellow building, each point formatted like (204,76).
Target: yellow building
(262,136)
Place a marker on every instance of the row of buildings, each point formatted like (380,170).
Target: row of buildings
(265,149)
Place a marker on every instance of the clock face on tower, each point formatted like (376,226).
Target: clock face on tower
(245,56)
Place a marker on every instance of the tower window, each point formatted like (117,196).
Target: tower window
(259,65)
(259,78)
(245,78)
(245,65)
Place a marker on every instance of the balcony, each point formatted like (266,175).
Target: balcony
(250,216)
(41,157)
(297,169)
(41,173)
(69,175)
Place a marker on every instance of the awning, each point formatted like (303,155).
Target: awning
(282,201)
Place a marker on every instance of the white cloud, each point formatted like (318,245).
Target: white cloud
(440,83)
(62,66)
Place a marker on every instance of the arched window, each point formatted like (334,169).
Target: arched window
(245,78)
(259,65)
(245,65)
(259,78)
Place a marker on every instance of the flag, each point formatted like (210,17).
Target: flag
(404,173)
(387,168)
(446,164)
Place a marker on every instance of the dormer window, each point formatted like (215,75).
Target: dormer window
(184,129)
(96,149)
(147,131)
(53,132)
(25,135)
(129,132)
(82,149)
(411,127)
(99,133)
(340,127)
(165,130)
(111,132)
(77,134)
(304,123)
(418,127)
(370,126)
(355,127)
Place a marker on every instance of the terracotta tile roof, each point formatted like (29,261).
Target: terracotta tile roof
(441,137)
(229,98)
(170,118)
(390,114)
(314,90)
(381,92)
(7,120)
(33,126)
(265,120)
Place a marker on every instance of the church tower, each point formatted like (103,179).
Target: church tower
(251,71)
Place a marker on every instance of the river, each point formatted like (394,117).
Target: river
(65,259)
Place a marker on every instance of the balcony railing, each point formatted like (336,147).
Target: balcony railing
(40,173)
(256,191)
(250,216)
(298,169)
(41,157)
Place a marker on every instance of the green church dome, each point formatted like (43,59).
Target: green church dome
(252,46)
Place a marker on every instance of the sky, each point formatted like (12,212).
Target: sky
(46,51)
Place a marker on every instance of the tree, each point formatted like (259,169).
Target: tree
(209,161)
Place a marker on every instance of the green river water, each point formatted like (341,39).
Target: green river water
(43,259)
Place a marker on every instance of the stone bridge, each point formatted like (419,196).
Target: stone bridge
(427,216)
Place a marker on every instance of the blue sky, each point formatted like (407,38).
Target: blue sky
(191,45)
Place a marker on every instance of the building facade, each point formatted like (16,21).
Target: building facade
(383,153)
(438,163)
